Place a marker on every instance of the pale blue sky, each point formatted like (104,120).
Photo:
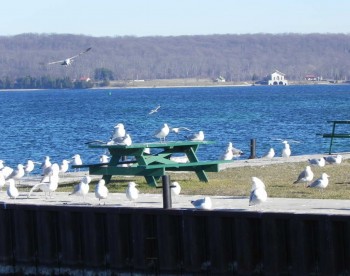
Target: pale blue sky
(173,17)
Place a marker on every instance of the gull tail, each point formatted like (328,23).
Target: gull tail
(35,187)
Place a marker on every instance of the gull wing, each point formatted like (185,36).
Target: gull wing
(54,62)
(63,60)
(83,52)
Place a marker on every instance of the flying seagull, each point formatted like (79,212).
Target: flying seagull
(178,129)
(68,61)
(154,110)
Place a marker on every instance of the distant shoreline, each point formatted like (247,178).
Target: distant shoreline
(180,83)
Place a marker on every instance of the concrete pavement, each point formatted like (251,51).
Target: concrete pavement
(285,205)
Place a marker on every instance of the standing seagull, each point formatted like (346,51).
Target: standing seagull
(53,170)
(2,180)
(196,136)
(64,166)
(17,174)
(46,164)
(257,183)
(68,61)
(286,152)
(202,203)
(334,159)
(29,167)
(228,154)
(6,171)
(305,176)
(104,158)
(49,186)
(12,191)
(77,160)
(162,132)
(270,154)
(175,189)
(321,182)
(118,133)
(236,152)
(82,188)
(101,191)
(321,162)
(132,193)
(126,140)
(258,193)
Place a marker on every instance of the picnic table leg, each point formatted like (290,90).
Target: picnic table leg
(191,154)
(202,176)
(107,178)
(330,146)
(151,180)
(192,157)
(113,162)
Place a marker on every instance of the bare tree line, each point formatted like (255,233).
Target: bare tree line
(235,57)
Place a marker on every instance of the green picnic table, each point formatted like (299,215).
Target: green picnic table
(152,165)
(335,134)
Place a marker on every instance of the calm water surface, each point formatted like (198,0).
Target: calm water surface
(58,123)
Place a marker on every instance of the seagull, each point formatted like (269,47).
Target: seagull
(257,183)
(77,161)
(49,186)
(270,154)
(258,193)
(127,141)
(101,191)
(180,159)
(104,158)
(202,203)
(29,167)
(178,129)
(68,61)
(229,154)
(162,132)
(12,191)
(321,182)
(154,110)
(82,188)
(334,159)
(54,169)
(321,162)
(175,188)
(45,164)
(17,174)
(196,136)
(6,171)
(2,180)
(286,152)
(236,152)
(119,132)
(64,166)
(132,193)
(305,176)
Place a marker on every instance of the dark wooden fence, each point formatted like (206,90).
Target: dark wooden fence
(73,240)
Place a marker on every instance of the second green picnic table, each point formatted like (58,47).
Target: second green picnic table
(152,165)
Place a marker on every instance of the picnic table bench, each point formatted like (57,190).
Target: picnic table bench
(152,165)
(333,134)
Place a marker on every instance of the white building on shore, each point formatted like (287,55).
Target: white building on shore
(277,78)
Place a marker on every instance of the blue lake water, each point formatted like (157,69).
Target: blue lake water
(58,123)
